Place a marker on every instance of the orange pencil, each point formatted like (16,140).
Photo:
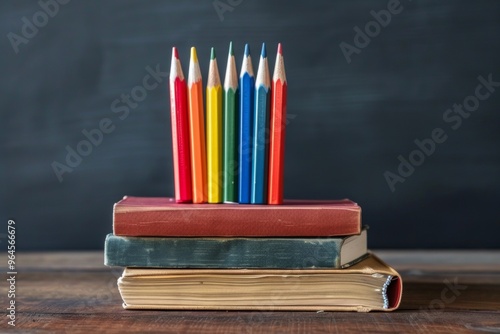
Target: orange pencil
(197,130)
(277,131)
(180,131)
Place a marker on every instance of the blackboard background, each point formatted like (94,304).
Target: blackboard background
(348,125)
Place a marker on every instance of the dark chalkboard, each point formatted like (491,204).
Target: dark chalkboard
(370,88)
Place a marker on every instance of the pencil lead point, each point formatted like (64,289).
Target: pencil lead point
(194,56)
(280,50)
(212,53)
(231,52)
(263,53)
(247,50)
(175,53)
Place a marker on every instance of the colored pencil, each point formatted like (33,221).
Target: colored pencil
(277,131)
(247,87)
(214,132)
(180,131)
(260,130)
(197,130)
(230,185)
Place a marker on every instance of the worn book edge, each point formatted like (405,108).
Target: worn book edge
(392,289)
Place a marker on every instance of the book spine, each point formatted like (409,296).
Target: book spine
(272,253)
(242,223)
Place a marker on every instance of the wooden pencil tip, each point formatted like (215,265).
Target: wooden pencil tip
(175,53)
(212,53)
(231,52)
(194,56)
(247,50)
(280,51)
(263,53)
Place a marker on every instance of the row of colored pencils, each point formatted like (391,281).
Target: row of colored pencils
(235,152)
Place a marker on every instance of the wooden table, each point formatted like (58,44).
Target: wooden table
(74,292)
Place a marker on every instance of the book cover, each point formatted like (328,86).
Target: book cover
(162,217)
(370,285)
(200,253)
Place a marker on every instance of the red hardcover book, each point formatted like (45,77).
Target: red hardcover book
(162,217)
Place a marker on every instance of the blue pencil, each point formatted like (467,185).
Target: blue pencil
(260,145)
(247,88)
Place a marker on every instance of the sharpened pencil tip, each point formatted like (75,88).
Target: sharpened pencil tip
(194,56)
(280,50)
(263,53)
(212,53)
(231,52)
(247,50)
(175,53)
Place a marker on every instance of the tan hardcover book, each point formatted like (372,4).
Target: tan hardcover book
(370,285)
(162,217)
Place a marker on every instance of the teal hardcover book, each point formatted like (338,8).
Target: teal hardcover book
(211,253)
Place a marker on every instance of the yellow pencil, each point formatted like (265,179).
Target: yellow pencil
(214,132)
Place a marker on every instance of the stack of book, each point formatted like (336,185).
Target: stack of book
(301,255)
(180,253)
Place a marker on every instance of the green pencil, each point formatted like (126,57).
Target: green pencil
(230,164)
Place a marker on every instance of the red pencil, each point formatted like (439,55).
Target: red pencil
(277,131)
(180,131)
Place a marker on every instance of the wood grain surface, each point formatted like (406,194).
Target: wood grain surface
(76,293)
